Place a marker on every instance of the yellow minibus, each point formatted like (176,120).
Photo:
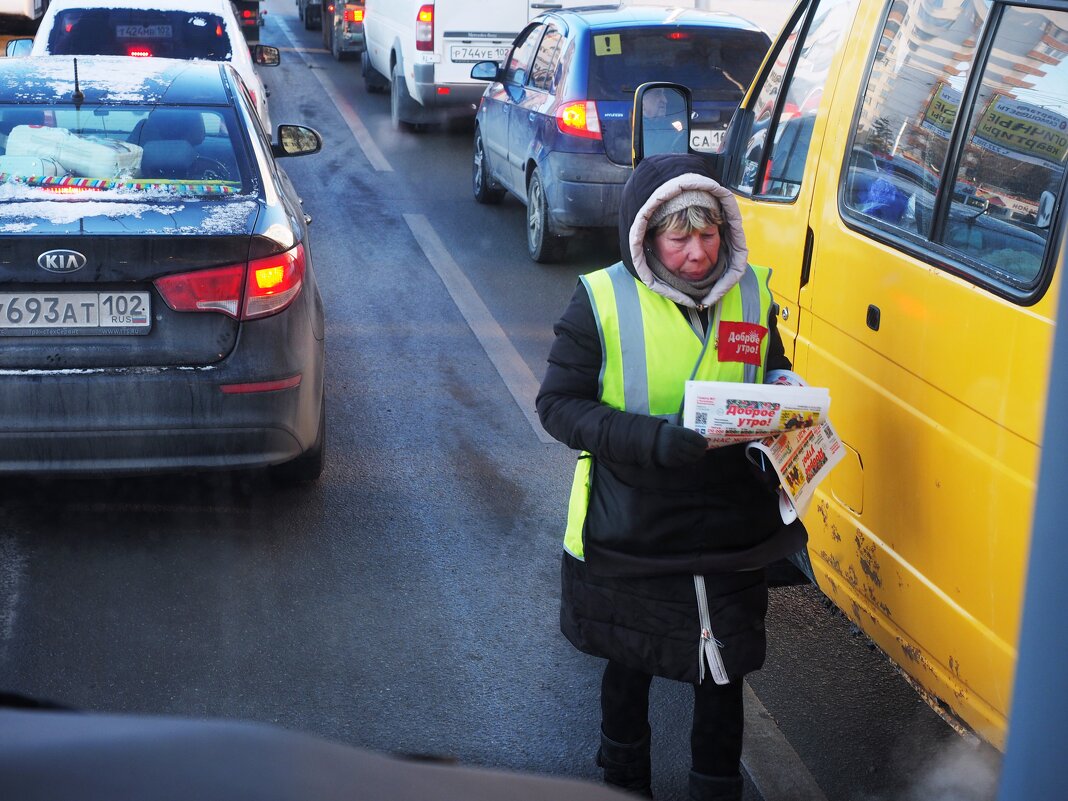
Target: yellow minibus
(900,165)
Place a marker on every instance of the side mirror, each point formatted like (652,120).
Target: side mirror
(265,55)
(18,47)
(296,140)
(486,71)
(1046,202)
(660,120)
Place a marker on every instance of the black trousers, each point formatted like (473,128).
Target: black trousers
(718,717)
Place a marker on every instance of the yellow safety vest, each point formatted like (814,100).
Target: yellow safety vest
(649,351)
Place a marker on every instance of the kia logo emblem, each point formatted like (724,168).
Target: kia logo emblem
(61,261)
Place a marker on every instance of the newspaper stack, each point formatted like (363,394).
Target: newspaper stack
(784,422)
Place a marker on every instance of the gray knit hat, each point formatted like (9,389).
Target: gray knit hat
(685,199)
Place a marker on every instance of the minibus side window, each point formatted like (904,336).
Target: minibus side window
(797,110)
(1015,149)
(909,108)
(764,109)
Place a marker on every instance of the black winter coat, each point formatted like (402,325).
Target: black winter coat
(630,601)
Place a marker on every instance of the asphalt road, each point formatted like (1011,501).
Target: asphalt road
(408,601)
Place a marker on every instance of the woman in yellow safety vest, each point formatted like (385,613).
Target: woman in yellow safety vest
(667,540)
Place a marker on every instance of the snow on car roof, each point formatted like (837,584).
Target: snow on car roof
(102,79)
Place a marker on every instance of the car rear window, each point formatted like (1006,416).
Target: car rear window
(135,150)
(714,63)
(139,32)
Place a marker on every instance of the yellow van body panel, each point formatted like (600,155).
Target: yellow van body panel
(921,535)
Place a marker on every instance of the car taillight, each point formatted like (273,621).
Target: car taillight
(353,15)
(258,289)
(247,14)
(273,283)
(424,27)
(138,51)
(579,118)
(218,289)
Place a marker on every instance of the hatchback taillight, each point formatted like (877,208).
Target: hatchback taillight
(258,289)
(424,27)
(579,118)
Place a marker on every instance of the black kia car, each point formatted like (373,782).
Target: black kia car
(158,308)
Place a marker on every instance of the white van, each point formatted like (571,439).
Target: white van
(423,52)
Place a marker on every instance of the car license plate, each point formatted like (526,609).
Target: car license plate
(472,53)
(28,313)
(143,31)
(706,140)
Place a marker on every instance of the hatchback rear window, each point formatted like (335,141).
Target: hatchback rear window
(139,32)
(714,63)
(130,149)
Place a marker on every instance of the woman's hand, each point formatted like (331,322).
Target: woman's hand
(678,446)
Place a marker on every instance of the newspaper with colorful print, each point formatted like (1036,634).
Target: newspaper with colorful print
(785,423)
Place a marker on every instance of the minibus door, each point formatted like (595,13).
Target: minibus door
(773,150)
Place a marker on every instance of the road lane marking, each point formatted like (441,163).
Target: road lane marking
(359,131)
(771,762)
(513,370)
(12,568)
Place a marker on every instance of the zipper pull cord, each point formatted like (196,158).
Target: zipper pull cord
(708,648)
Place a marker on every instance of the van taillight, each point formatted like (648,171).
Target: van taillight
(353,15)
(259,289)
(579,118)
(424,27)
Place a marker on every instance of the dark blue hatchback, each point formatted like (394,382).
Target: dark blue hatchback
(554,127)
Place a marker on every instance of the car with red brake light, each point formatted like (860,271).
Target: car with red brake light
(194,29)
(343,28)
(553,127)
(158,306)
(249,17)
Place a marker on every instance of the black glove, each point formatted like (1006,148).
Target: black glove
(677,446)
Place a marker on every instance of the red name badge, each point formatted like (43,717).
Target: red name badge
(740,342)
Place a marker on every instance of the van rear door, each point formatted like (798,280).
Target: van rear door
(467,31)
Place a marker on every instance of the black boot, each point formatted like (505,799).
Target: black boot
(715,788)
(627,765)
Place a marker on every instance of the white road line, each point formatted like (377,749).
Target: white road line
(12,567)
(769,759)
(510,365)
(345,109)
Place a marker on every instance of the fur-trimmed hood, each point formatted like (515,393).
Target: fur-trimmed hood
(656,180)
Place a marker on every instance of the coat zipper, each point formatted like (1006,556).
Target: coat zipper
(708,649)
